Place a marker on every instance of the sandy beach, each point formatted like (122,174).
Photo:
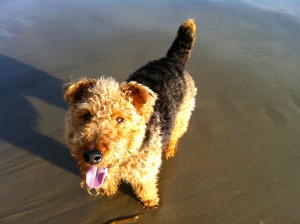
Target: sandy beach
(240,159)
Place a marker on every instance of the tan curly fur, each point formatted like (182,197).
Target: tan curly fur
(132,124)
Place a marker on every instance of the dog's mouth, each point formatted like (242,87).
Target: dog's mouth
(95,177)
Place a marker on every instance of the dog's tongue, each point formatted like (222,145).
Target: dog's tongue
(95,177)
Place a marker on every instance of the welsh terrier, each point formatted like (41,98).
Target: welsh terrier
(121,131)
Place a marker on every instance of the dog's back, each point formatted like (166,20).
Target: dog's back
(166,77)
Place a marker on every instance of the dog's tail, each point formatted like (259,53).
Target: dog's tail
(182,45)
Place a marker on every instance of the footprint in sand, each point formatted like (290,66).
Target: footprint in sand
(275,115)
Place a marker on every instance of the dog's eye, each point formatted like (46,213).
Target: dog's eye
(119,120)
(87,116)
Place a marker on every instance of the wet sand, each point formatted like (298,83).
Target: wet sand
(239,161)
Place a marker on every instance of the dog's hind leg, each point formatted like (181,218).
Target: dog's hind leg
(182,117)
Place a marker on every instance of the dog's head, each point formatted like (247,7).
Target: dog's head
(105,124)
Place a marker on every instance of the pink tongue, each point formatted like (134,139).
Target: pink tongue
(95,177)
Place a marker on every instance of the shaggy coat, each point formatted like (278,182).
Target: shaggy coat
(121,131)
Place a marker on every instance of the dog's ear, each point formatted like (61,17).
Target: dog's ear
(74,91)
(142,98)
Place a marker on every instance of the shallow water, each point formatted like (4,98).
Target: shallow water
(239,161)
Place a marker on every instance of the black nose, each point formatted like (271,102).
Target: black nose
(92,156)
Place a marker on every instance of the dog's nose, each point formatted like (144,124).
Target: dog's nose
(92,156)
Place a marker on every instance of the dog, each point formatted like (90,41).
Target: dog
(121,132)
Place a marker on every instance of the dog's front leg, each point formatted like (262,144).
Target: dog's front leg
(111,185)
(147,192)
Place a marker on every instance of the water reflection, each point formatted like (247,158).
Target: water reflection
(288,7)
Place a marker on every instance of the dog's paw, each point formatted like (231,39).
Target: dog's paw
(151,203)
(169,154)
(170,151)
(108,191)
